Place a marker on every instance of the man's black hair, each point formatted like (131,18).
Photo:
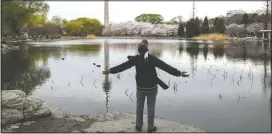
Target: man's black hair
(145,41)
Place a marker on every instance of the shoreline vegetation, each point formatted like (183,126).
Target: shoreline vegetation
(35,25)
(213,37)
(202,37)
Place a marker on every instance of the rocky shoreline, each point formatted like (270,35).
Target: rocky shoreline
(99,123)
(28,114)
(17,107)
(5,48)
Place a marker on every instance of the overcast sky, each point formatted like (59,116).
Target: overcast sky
(121,11)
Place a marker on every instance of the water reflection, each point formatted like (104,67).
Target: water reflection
(106,82)
(156,50)
(218,51)
(265,72)
(20,69)
(270,86)
(181,49)
(85,50)
(248,51)
(57,52)
(193,51)
(205,51)
(21,72)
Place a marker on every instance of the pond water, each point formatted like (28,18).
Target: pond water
(228,90)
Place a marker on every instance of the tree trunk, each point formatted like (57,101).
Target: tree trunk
(13,30)
(266,15)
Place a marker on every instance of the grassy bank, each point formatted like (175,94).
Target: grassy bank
(137,37)
(214,36)
(91,36)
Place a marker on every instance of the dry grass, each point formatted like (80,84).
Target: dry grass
(124,37)
(91,36)
(214,36)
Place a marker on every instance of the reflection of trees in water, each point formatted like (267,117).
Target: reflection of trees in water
(256,53)
(193,52)
(265,72)
(38,53)
(267,76)
(20,72)
(234,51)
(205,51)
(248,51)
(156,52)
(154,49)
(82,50)
(244,54)
(270,86)
(124,47)
(218,50)
(181,49)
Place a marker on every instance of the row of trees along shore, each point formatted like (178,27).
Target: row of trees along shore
(31,17)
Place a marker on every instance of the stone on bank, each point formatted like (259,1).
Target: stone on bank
(5,48)
(17,107)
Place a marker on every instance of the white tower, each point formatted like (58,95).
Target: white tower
(106,12)
(193,9)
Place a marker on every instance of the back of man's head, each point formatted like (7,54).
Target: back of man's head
(142,48)
(145,42)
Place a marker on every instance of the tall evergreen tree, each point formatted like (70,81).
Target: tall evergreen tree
(193,28)
(215,23)
(221,26)
(245,19)
(181,32)
(197,23)
(205,26)
(189,28)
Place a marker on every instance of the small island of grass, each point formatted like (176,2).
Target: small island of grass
(213,36)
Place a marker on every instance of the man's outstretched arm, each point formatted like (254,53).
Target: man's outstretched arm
(167,68)
(122,67)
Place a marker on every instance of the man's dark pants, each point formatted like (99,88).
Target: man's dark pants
(151,101)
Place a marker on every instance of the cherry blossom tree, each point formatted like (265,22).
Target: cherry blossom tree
(255,27)
(234,29)
(140,29)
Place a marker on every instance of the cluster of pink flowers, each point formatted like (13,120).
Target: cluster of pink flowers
(140,29)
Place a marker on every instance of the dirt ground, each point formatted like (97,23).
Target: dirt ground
(50,124)
(102,122)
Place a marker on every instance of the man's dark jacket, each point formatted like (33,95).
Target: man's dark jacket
(146,75)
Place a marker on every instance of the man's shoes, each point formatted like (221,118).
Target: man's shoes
(152,130)
(138,128)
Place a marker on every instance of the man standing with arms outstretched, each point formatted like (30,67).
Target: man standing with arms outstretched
(146,81)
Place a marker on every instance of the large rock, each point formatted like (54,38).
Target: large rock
(124,122)
(17,107)
(11,115)
(14,99)
(41,112)
(33,103)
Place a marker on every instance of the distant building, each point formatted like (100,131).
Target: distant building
(233,12)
